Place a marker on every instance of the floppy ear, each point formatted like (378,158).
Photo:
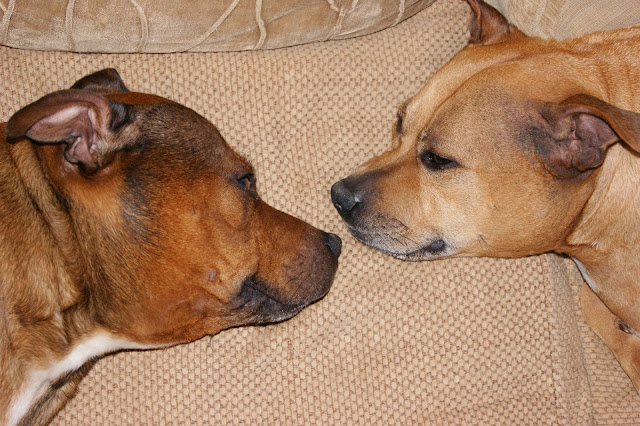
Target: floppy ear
(80,119)
(104,82)
(583,127)
(486,24)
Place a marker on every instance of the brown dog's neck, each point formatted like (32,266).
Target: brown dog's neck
(45,228)
(46,303)
(607,235)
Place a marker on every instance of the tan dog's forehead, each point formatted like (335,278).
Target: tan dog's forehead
(448,80)
(464,109)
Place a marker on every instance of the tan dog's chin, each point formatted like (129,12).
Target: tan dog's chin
(402,247)
(435,249)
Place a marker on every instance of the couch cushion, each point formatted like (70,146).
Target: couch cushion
(563,19)
(453,341)
(197,25)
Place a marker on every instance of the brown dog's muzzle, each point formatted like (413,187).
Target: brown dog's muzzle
(296,267)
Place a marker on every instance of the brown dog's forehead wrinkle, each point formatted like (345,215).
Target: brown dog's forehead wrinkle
(200,148)
(167,157)
(157,111)
(138,99)
(138,216)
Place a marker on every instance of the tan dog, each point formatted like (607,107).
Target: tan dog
(126,223)
(519,146)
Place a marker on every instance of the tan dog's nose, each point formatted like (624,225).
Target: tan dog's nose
(344,199)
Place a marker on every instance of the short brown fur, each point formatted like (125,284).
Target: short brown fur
(126,217)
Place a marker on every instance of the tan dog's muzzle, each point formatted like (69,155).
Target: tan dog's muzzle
(376,212)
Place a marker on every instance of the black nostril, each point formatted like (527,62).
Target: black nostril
(343,199)
(334,243)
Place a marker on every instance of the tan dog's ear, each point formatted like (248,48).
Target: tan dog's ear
(486,24)
(104,82)
(583,127)
(83,120)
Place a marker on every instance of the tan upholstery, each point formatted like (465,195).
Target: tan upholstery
(161,26)
(466,341)
(562,19)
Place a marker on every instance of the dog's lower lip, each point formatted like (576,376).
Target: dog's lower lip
(261,288)
(255,297)
(437,247)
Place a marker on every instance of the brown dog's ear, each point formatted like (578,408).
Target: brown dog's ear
(583,127)
(104,82)
(486,24)
(83,120)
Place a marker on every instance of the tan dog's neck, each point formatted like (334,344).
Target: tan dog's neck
(606,237)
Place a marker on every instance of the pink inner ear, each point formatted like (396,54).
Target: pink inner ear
(61,125)
(594,130)
(76,125)
(588,138)
(574,145)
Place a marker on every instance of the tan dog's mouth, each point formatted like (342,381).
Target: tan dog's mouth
(399,245)
(435,249)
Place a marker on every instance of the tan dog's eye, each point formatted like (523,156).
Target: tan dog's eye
(435,162)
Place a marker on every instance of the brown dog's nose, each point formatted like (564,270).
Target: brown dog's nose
(333,242)
(344,200)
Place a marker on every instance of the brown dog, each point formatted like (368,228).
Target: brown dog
(127,222)
(519,146)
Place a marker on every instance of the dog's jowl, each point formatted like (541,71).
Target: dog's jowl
(126,223)
(519,146)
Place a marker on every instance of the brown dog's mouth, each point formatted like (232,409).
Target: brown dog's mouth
(263,305)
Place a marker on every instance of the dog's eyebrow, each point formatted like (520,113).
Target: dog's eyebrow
(400,114)
(429,139)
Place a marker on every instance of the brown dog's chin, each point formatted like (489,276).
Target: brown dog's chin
(260,305)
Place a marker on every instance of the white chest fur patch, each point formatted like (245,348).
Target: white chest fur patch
(38,381)
(586,276)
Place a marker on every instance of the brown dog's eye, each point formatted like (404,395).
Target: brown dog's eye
(435,162)
(247,181)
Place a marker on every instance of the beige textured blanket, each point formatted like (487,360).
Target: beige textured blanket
(454,341)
